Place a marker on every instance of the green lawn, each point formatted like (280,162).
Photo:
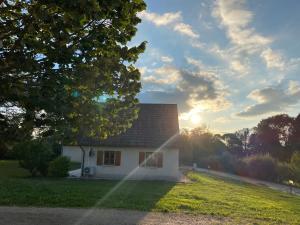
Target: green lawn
(206,195)
(9,168)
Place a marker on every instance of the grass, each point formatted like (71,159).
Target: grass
(10,168)
(208,195)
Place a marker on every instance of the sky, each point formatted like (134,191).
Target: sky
(226,63)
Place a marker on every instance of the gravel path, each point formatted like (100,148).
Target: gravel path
(65,216)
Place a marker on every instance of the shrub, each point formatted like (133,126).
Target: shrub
(262,167)
(224,162)
(240,168)
(284,172)
(59,167)
(295,166)
(34,156)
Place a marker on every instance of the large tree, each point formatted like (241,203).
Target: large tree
(58,57)
(272,136)
(294,140)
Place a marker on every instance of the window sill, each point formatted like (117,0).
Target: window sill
(150,167)
(107,165)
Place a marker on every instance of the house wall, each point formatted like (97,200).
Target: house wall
(130,163)
(72,152)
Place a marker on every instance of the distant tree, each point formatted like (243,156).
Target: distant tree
(57,58)
(295,166)
(186,152)
(233,143)
(205,144)
(243,135)
(294,140)
(272,136)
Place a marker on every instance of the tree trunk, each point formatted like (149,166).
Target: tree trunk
(83,159)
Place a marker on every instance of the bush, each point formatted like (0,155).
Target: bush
(240,168)
(262,167)
(284,172)
(59,167)
(295,166)
(224,162)
(34,156)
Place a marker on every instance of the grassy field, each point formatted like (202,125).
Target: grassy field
(205,195)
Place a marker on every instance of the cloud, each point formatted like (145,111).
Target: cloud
(167,59)
(163,75)
(245,40)
(233,15)
(239,67)
(273,59)
(222,120)
(272,100)
(185,29)
(171,19)
(161,20)
(204,70)
(195,62)
(191,90)
(143,70)
(294,87)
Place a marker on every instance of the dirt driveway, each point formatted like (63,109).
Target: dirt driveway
(63,216)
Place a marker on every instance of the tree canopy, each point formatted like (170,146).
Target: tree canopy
(58,57)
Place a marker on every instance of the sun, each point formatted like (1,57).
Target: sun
(195,119)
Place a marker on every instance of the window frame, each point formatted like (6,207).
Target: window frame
(152,160)
(114,158)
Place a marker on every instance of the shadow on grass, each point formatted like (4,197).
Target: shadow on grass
(47,192)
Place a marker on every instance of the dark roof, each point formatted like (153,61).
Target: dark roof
(156,124)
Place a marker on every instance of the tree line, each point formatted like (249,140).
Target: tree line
(278,136)
(270,150)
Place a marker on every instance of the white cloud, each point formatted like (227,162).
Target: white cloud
(163,75)
(171,19)
(218,104)
(185,29)
(239,67)
(167,59)
(294,87)
(143,70)
(204,70)
(161,20)
(273,59)
(233,15)
(198,63)
(245,40)
(197,44)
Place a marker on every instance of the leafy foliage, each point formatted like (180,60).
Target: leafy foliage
(262,167)
(57,58)
(272,136)
(295,166)
(59,167)
(268,151)
(34,156)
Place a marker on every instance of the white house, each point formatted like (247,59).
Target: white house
(147,150)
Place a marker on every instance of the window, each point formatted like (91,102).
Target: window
(151,159)
(110,158)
